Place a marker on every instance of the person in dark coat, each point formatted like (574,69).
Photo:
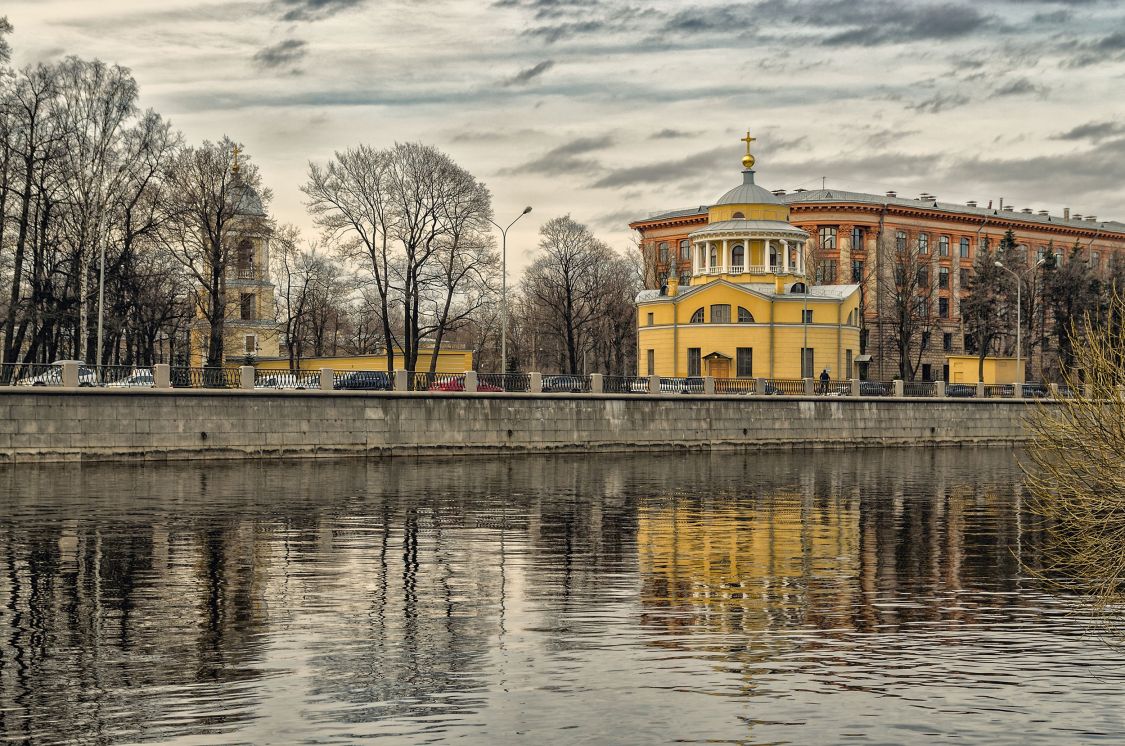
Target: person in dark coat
(824,379)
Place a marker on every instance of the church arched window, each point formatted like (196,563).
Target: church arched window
(738,216)
(245,254)
(697,317)
(744,316)
(774,261)
(798,287)
(737,256)
(714,256)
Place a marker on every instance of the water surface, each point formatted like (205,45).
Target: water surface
(868,597)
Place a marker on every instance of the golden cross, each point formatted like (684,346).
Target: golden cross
(234,166)
(748,140)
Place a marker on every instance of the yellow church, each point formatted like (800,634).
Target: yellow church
(749,310)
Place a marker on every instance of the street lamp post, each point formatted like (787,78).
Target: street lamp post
(1019,311)
(504,288)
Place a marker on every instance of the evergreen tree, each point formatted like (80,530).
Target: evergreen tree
(1073,296)
(991,297)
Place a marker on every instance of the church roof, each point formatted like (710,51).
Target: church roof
(748,193)
(246,200)
(745,226)
(767,289)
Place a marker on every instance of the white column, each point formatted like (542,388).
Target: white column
(801,258)
(766,253)
(724,259)
(785,256)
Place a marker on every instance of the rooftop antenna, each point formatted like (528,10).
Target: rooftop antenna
(822,180)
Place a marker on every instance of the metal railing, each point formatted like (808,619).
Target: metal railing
(566,383)
(30,374)
(919,388)
(363,380)
(206,378)
(785,386)
(625,384)
(999,391)
(438,382)
(736,386)
(688,385)
(503,382)
(124,376)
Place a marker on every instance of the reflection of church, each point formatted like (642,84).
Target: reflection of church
(251,329)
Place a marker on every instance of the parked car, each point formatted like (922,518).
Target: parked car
(567,384)
(771,390)
(141,377)
(364,380)
(962,390)
(873,388)
(458,384)
(87,376)
(681,385)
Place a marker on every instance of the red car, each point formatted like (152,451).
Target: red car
(458,384)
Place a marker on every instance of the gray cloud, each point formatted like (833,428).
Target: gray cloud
(671,134)
(1019,87)
(1109,48)
(565,159)
(313,10)
(1093,131)
(285,52)
(528,74)
(939,103)
(695,166)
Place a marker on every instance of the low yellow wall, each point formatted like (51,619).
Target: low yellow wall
(964,369)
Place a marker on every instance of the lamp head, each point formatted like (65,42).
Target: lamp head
(526,210)
(1041,262)
(998,264)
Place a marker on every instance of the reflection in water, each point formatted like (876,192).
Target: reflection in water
(761,597)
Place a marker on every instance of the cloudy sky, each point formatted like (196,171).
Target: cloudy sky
(613,109)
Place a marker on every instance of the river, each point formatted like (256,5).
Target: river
(869,596)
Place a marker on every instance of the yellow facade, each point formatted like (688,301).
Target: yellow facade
(748,311)
(965,369)
(449,361)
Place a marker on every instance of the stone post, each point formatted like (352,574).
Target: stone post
(1054,391)
(1088,390)
(939,389)
(470,382)
(709,384)
(401,380)
(855,387)
(596,385)
(246,376)
(654,384)
(899,388)
(535,383)
(162,376)
(760,386)
(1017,390)
(70,375)
(810,386)
(980,389)
(327,379)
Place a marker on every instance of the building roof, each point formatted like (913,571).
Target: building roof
(246,200)
(748,193)
(814,196)
(767,289)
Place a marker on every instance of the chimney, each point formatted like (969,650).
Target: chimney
(892,194)
(1008,208)
(971,203)
(1026,211)
(779,192)
(1043,213)
(1077,216)
(673,285)
(1091,218)
(1066,213)
(798,190)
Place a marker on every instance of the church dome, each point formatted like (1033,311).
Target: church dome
(748,193)
(246,200)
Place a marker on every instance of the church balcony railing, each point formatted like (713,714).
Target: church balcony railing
(246,273)
(715,270)
(737,269)
(758,269)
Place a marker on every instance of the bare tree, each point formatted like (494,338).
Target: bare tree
(904,282)
(990,300)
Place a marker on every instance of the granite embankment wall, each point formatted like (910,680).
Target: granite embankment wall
(62,424)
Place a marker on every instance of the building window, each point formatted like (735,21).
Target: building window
(826,272)
(738,256)
(923,277)
(925,340)
(247,307)
(650,318)
(827,236)
(857,271)
(744,362)
(663,252)
(685,251)
(923,243)
(685,278)
(943,307)
(245,255)
(806,316)
(1040,253)
(738,216)
(697,317)
(943,278)
(927,372)
(900,240)
(1095,259)
(806,362)
(848,364)
(798,287)
(720,314)
(744,316)
(947,341)
(694,361)
(943,246)
(251,344)
(714,256)
(964,278)
(964,247)
(650,360)
(985,242)
(923,308)
(857,239)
